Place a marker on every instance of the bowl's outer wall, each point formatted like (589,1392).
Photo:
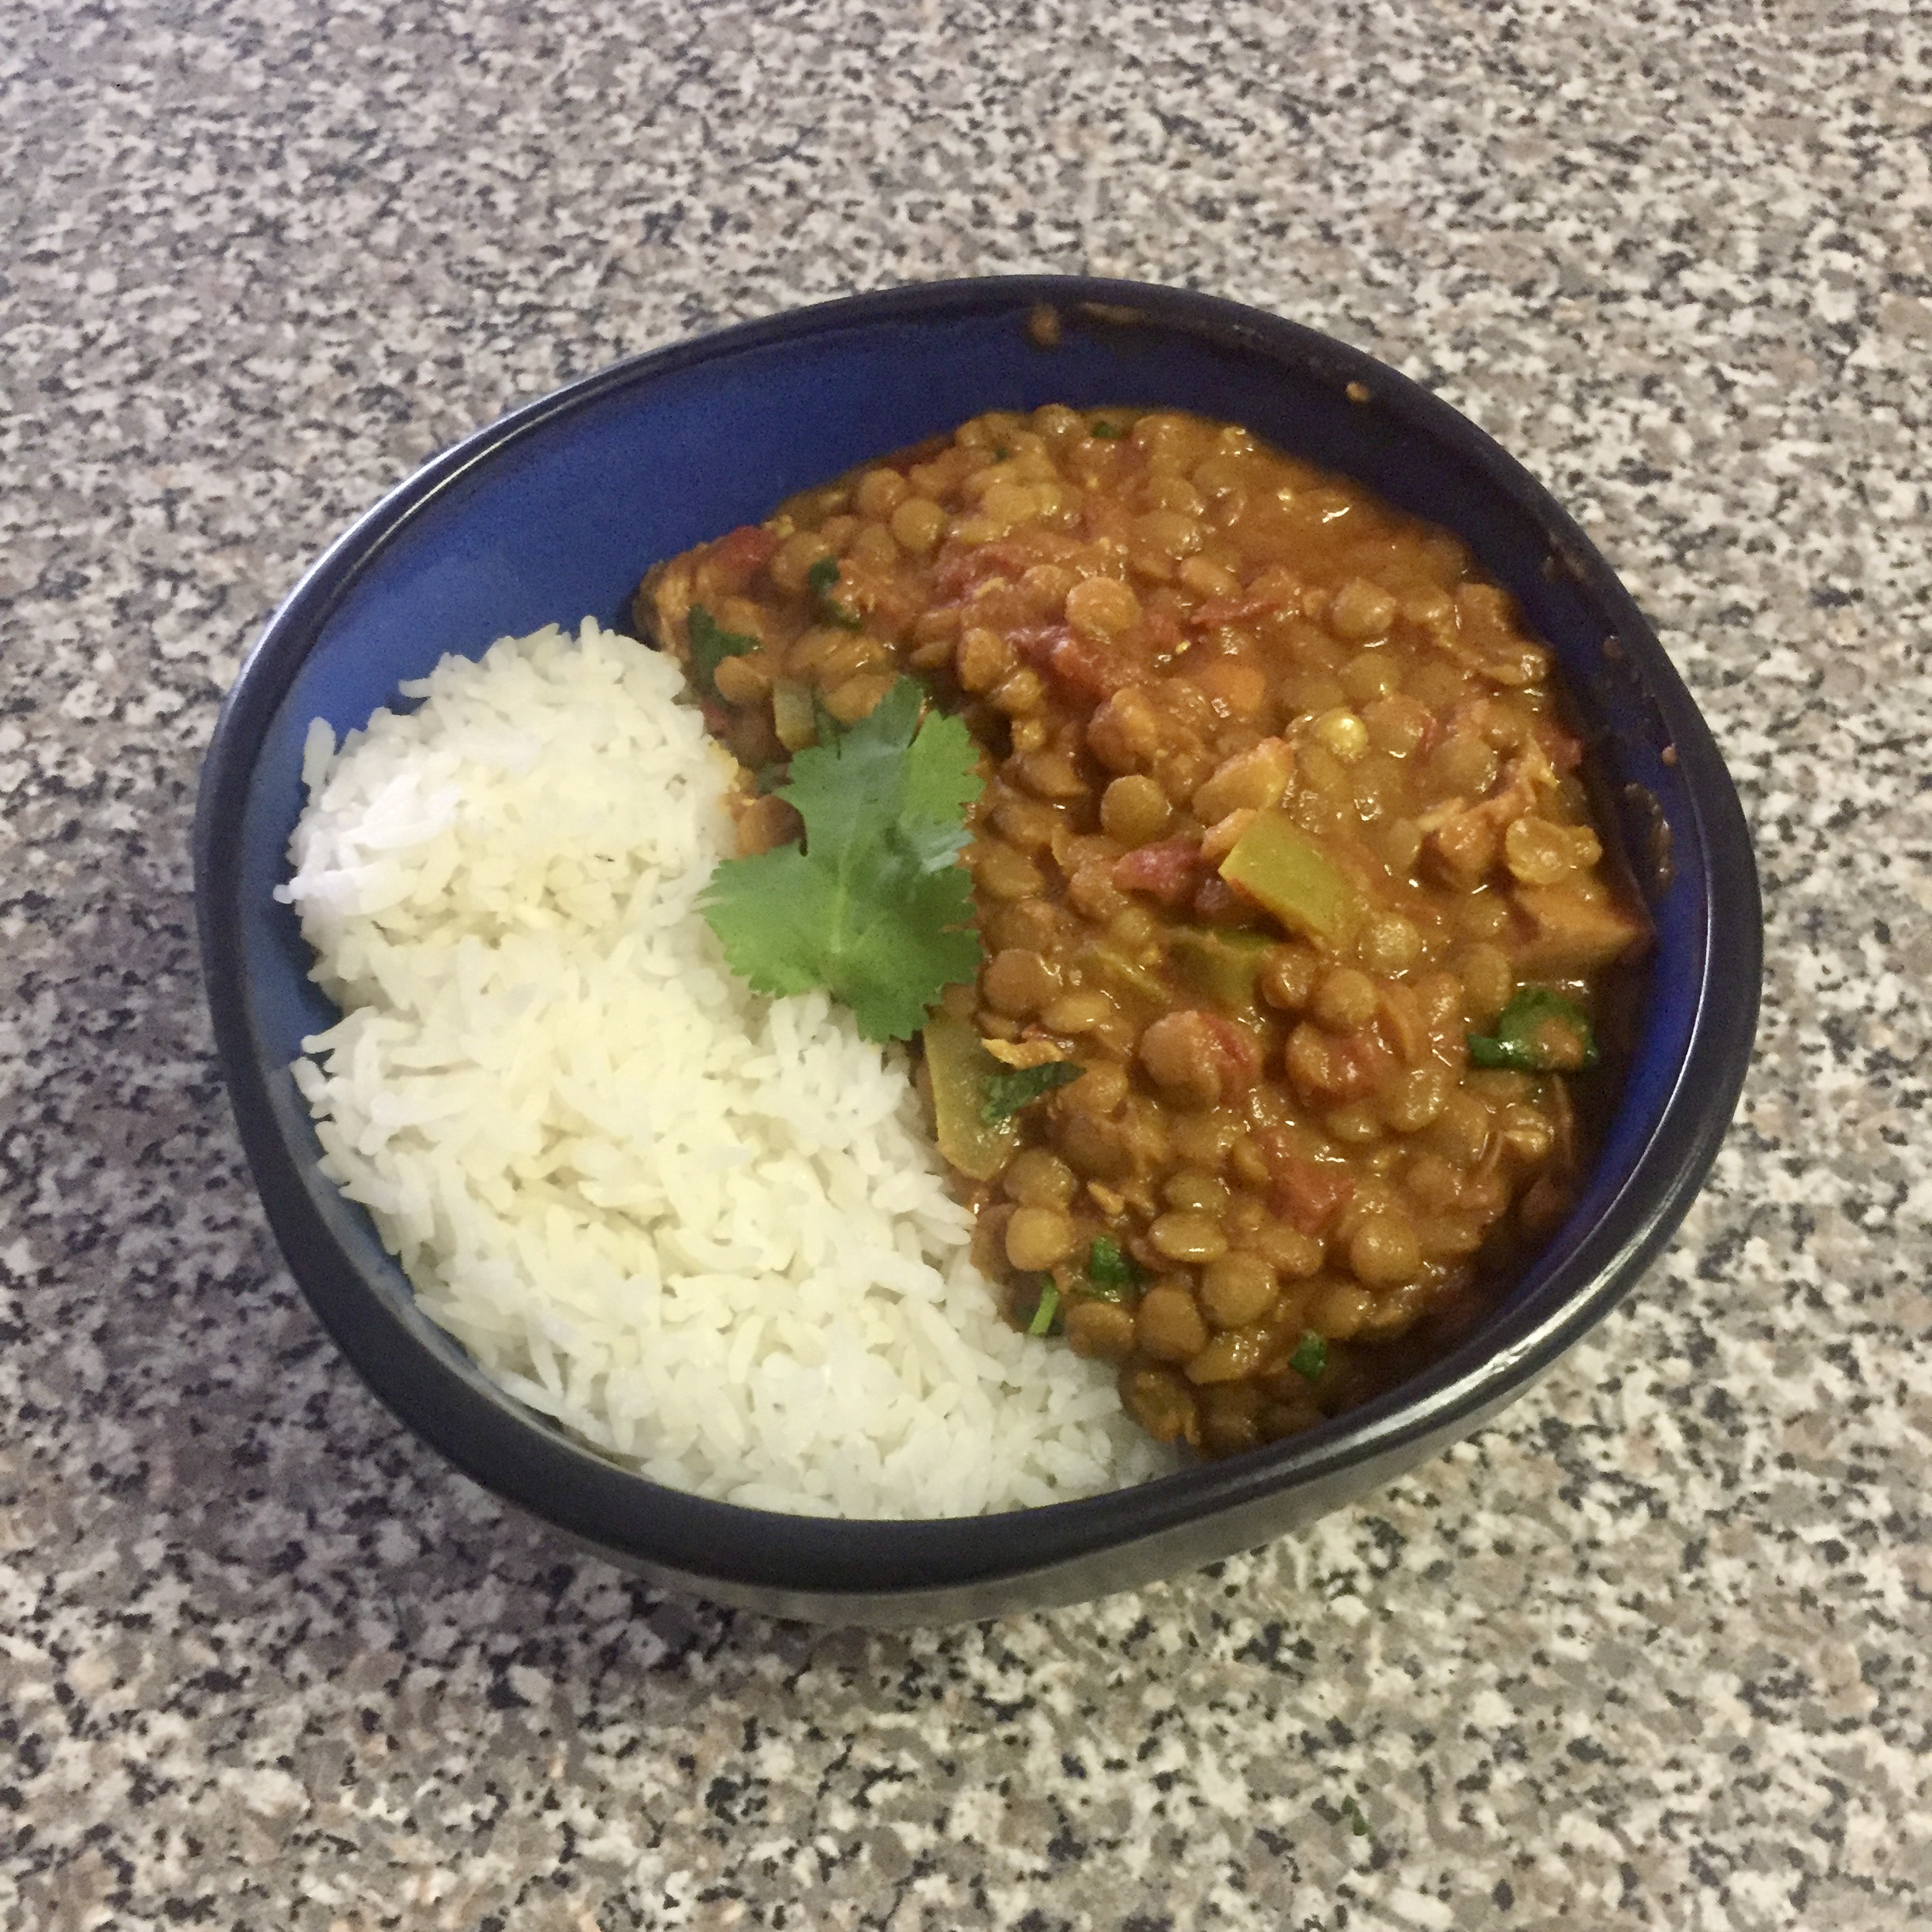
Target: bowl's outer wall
(555,513)
(1135,1558)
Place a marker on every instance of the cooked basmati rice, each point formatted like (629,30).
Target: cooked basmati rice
(704,1231)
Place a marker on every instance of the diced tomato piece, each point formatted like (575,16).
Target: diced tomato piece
(1235,1052)
(960,567)
(1075,664)
(1159,631)
(1326,1070)
(1168,869)
(739,555)
(1035,644)
(955,573)
(1089,668)
(1216,903)
(1306,1193)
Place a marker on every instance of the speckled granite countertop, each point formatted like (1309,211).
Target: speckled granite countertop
(1653,1651)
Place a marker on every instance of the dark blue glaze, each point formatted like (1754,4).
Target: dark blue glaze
(555,512)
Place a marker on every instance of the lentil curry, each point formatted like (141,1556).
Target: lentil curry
(1297,939)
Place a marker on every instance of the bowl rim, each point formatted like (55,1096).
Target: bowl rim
(818,1560)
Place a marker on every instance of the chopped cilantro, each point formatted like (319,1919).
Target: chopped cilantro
(1111,1270)
(1002,453)
(1013,1088)
(1539,1032)
(711,644)
(821,578)
(1358,1823)
(1311,1356)
(1045,1311)
(875,907)
(1107,431)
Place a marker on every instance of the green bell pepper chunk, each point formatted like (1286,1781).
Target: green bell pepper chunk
(1278,865)
(959,1068)
(1111,1271)
(1219,966)
(1123,975)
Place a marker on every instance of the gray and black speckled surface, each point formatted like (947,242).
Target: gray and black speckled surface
(1652,1652)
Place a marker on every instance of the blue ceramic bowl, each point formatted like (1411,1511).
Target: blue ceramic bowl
(554,512)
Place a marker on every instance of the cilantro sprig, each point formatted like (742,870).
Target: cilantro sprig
(711,644)
(1311,1356)
(1539,1032)
(820,578)
(1013,1088)
(1112,1270)
(874,908)
(1045,1320)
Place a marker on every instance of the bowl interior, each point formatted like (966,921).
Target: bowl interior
(556,511)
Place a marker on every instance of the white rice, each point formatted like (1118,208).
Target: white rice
(703,1231)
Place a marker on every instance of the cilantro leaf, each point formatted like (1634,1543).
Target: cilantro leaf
(1111,1269)
(820,578)
(875,909)
(1009,1091)
(1539,1032)
(1311,1356)
(711,644)
(888,772)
